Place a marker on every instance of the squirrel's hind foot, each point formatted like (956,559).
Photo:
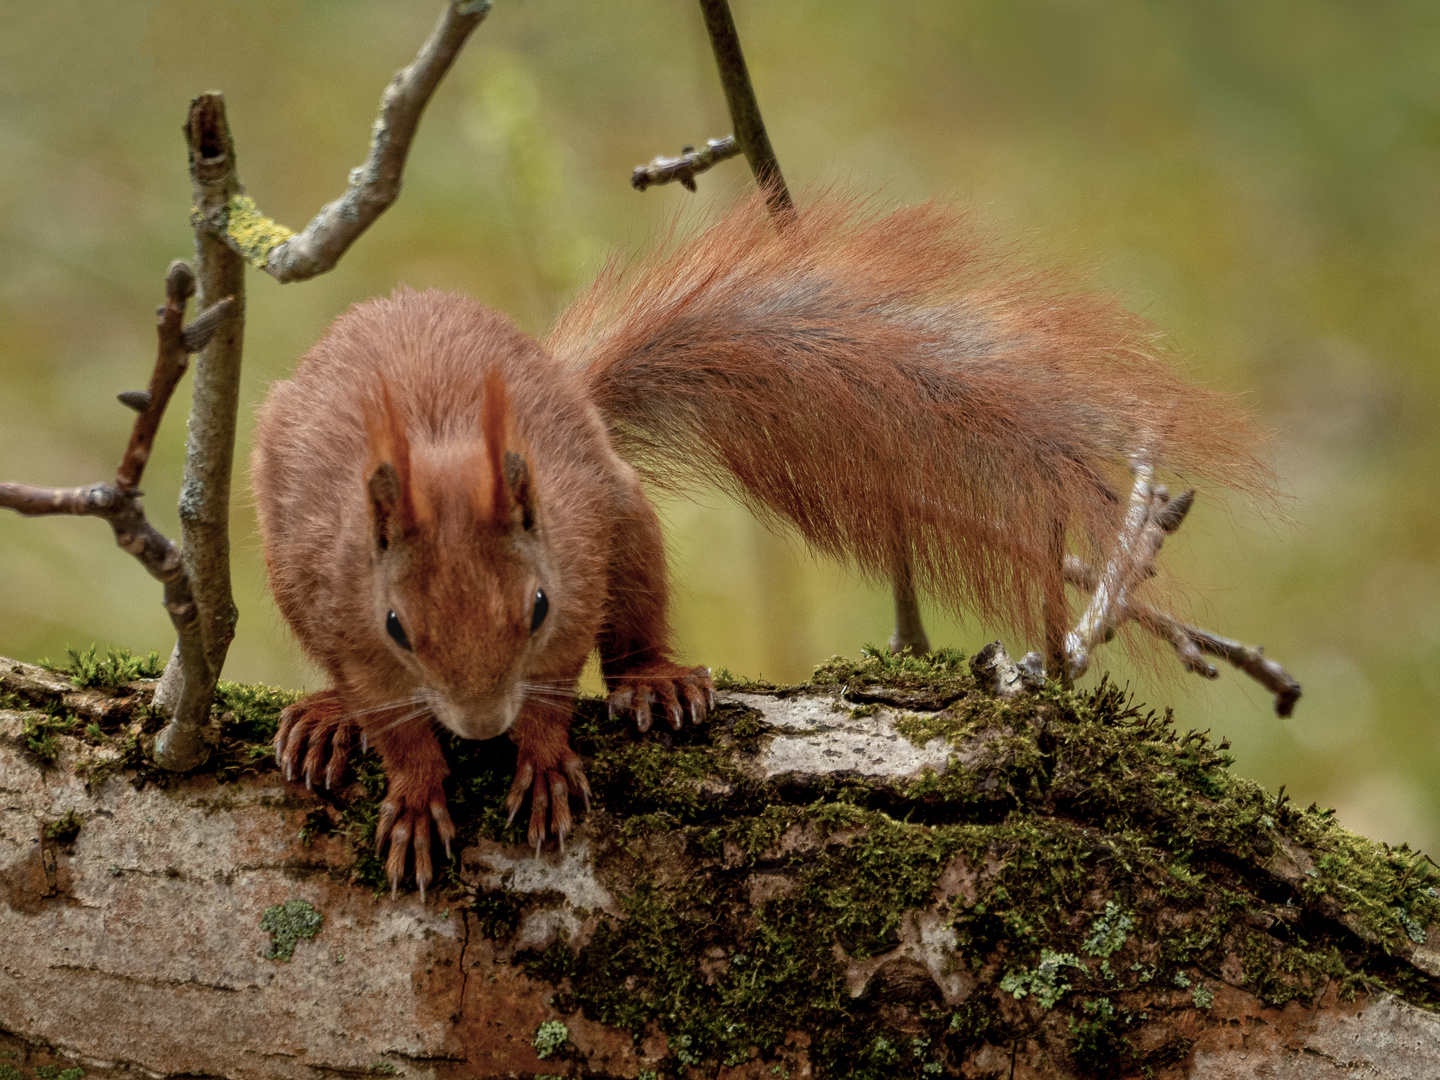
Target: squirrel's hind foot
(674,688)
(314,726)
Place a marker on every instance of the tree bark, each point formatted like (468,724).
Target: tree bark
(880,874)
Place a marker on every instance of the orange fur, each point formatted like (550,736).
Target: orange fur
(898,390)
(889,384)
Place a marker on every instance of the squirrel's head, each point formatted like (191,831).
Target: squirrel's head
(460,584)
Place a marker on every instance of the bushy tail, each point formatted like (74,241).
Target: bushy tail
(899,390)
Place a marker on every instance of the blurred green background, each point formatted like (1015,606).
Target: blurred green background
(1259,177)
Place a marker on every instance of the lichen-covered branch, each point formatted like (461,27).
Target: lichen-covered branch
(684,169)
(289,256)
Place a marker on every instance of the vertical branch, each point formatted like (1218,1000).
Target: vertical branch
(754,142)
(210,449)
(744,109)
(909,635)
(189,682)
(1056,611)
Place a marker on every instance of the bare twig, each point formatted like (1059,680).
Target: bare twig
(744,109)
(1192,644)
(119,503)
(683,169)
(1148,520)
(374,185)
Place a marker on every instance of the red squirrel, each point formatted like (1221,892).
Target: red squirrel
(453,517)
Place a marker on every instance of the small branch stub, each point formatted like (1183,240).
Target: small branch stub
(745,115)
(684,169)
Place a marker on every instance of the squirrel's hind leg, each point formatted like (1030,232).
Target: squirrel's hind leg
(316,726)
(634,642)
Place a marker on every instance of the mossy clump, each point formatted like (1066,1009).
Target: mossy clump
(117,666)
(288,924)
(66,829)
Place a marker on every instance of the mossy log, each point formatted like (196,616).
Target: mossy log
(885,873)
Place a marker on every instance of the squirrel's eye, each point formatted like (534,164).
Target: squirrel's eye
(541,609)
(396,631)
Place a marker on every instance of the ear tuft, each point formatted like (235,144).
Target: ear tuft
(392,508)
(495,433)
(517,479)
(512,488)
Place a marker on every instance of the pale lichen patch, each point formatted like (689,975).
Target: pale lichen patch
(251,233)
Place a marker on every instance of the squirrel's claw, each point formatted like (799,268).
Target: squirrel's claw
(405,825)
(549,785)
(524,773)
(313,727)
(674,689)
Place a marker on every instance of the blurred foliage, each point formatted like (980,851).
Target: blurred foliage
(1261,180)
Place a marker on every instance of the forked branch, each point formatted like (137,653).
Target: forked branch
(374,185)
(1192,643)
(119,503)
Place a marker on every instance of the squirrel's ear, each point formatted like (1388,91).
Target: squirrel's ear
(392,506)
(522,487)
(512,489)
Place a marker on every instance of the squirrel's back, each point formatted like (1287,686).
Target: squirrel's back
(900,390)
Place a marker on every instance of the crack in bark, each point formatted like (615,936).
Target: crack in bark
(143,980)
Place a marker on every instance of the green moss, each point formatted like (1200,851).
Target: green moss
(288,924)
(117,667)
(38,731)
(251,233)
(549,1038)
(65,830)
(944,668)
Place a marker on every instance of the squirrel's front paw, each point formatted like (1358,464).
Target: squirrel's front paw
(544,773)
(315,726)
(666,685)
(405,818)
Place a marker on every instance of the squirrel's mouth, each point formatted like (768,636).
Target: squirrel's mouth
(492,718)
